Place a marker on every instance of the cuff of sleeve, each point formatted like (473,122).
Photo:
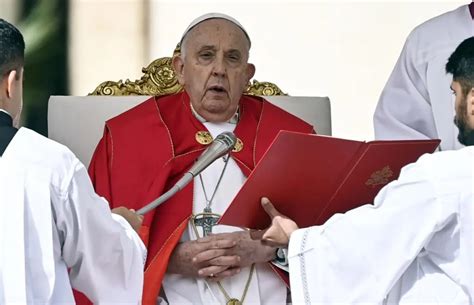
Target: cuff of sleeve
(132,235)
(282,267)
(297,245)
(281,259)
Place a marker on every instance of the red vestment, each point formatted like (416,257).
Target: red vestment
(145,150)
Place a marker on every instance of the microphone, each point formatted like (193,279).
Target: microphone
(221,145)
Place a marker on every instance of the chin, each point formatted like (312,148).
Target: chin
(466,134)
(216,106)
(466,138)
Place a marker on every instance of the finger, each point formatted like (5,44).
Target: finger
(221,244)
(209,237)
(216,242)
(275,233)
(208,255)
(269,208)
(257,234)
(211,271)
(232,260)
(224,274)
(206,239)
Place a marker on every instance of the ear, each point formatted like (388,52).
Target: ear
(470,102)
(178,66)
(250,71)
(12,79)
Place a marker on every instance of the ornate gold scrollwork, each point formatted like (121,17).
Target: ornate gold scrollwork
(379,177)
(159,78)
(263,88)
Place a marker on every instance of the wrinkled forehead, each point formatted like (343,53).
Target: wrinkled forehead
(218,33)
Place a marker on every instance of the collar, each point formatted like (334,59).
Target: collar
(233,120)
(5,118)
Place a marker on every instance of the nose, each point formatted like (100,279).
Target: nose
(219,68)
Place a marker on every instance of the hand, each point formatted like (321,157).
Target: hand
(221,263)
(279,232)
(183,260)
(133,218)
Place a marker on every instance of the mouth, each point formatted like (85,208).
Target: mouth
(217,89)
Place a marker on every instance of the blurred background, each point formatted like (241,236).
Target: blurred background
(338,48)
(44,25)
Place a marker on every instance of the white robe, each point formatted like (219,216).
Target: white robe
(51,220)
(266,288)
(413,246)
(416,102)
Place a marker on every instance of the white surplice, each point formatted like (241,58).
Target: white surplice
(416,102)
(413,246)
(266,288)
(51,220)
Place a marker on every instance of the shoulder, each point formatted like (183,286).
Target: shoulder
(139,133)
(449,162)
(443,167)
(441,21)
(449,26)
(36,148)
(39,153)
(147,114)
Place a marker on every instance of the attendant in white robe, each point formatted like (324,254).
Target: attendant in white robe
(55,232)
(416,102)
(414,245)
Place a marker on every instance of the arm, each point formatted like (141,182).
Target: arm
(358,256)
(404,108)
(105,255)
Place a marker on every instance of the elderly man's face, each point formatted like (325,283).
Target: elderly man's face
(464,118)
(215,71)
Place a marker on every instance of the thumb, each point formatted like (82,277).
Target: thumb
(269,208)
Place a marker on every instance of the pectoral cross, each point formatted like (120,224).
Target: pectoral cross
(206,220)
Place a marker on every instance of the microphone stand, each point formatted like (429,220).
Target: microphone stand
(176,188)
(222,145)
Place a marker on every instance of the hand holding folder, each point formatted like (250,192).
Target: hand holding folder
(309,177)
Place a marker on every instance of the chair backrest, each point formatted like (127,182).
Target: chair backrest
(78,121)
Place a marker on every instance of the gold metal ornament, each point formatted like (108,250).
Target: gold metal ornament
(239,145)
(203,137)
(233,302)
(379,177)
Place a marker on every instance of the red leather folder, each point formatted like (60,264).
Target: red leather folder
(309,177)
